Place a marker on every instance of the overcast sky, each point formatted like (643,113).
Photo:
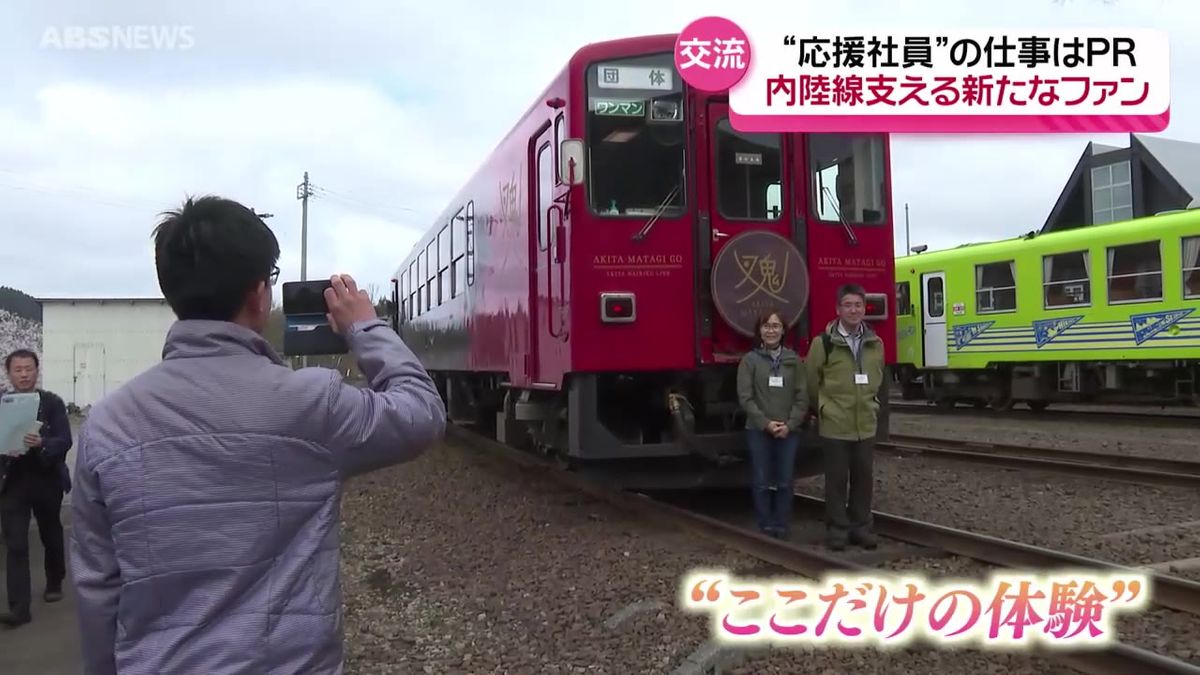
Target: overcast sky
(390,106)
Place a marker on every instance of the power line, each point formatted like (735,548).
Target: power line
(359,203)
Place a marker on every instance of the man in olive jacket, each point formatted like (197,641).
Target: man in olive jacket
(845,371)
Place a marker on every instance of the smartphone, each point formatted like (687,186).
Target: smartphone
(306,329)
(304,298)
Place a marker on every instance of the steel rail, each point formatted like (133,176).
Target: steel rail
(1167,591)
(1141,470)
(1120,417)
(1117,659)
(1131,461)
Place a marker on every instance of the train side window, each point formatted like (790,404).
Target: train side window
(443,275)
(420,283)
(903,302)
(430,274)
(458,252)
(1066,280)
(996,287)
(1134,273)
(748,164)
(470,243)
(1191,267)
(935,296)
(545,194)
(412,288)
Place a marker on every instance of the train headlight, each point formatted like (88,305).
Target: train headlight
(617,308)
(877,306)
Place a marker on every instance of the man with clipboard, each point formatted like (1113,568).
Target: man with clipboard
(32,486)
(845,371)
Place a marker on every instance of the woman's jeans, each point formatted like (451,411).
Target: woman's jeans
(772,463)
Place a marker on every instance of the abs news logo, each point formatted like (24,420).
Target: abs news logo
(131,37)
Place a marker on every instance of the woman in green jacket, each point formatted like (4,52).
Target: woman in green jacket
(772,390)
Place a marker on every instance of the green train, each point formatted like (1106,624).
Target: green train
(1105,313)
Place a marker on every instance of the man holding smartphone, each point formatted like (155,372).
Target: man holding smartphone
(205,535)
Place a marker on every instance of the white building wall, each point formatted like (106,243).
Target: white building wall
(91,347)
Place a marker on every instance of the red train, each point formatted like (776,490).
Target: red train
(591,288)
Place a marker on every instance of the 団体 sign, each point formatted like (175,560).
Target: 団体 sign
(610,76)
(783,78)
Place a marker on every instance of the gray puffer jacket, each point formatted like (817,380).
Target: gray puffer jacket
(205,533)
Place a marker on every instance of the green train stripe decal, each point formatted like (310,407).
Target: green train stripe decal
(1167,329)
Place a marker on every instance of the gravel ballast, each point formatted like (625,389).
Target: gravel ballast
(453,565)
(1099,519)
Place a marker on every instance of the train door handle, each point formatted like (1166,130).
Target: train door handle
(717,234)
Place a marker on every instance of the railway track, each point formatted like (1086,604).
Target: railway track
(1126,468)
(813,562)
(1174,420)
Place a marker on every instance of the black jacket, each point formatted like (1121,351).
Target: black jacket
(50,458)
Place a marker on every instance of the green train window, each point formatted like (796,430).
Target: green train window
(935,297)
(1191,267)
(996,287)
(1065,280)
(1134,272)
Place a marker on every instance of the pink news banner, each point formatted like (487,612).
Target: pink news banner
(1108,80)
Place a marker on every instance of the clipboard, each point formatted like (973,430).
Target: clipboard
(18,416)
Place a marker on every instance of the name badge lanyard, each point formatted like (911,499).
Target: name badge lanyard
(776,366)
(857,349)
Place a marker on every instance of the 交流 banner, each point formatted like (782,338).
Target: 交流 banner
(949,80)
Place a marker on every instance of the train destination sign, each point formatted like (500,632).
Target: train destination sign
(757,271)
(658,78)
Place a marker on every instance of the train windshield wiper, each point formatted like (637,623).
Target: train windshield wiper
(841,219)
(641,234)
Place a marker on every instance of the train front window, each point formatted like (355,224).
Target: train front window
(848,178)
(749,174)
(636,137)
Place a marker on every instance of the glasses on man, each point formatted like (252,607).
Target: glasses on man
(274,278)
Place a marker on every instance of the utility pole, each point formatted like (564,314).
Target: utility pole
(907,243)
(303,192)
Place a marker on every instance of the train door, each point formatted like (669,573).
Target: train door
(933,313)
(546,331)
(745,193)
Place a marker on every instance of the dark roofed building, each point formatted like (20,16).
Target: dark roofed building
(1110,184)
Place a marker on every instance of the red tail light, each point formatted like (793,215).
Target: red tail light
(617,308)
(877,306)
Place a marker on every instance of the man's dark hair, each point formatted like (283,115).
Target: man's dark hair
(851,289)
(209,255)
(21,354)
